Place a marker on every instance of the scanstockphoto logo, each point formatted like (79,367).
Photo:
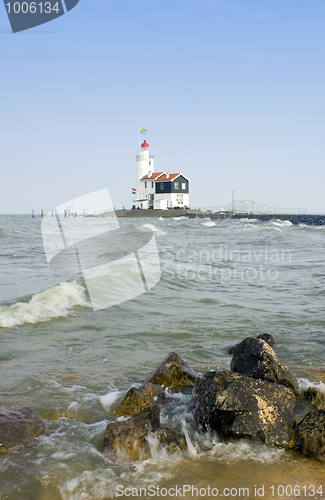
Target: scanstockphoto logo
(26,14)
(83,235)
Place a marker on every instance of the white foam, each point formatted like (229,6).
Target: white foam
(108,399)
(304,383)
(208,223)
(243,450)
(56,302)
(283,223)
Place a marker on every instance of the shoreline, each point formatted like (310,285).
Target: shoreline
(310,220)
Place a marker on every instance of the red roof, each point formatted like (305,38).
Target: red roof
(161,176)
(171,177)
(154,176)
(144,144)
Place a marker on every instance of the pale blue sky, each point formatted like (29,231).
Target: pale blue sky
(231,93)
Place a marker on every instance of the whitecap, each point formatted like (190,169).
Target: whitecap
(208,223)
(282,223)
(55,302)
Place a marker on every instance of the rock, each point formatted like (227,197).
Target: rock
(239,406)
(173,373)
(129,440)
(19,425)
(171,440)
(125,440)
(267,337)
(311,434)
(314,397)
(255,358)
(231,349)
(138,398)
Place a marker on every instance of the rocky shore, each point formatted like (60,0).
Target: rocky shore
(256,399)
(309,220)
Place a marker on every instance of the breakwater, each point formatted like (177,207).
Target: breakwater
(309,220)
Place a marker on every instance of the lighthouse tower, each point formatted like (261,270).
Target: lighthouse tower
(145,166)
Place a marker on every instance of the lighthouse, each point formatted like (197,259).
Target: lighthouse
(159,190)
(145,166)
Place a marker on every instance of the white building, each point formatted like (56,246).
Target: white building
(158,190)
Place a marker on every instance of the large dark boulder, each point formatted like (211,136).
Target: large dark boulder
(239,406)
(19,425)
(314,397)
(267,337)
(129,440)
(311,434)
(173,373)
(255,358)
(139,398)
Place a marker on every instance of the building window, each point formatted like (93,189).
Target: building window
(145,184)
(162,186)
(152,184)
(149,162)
(176,185)
(183,185)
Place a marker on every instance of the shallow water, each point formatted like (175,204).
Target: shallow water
(221,281)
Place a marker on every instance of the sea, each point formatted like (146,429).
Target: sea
(221,281)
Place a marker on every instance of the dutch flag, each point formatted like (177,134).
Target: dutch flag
(134,191)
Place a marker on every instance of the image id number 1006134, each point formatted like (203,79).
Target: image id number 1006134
(32,8)
(291,491)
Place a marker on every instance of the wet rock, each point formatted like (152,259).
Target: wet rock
(239,406)
(138,398)
(173,373)
(171,440)
(129,440)
(314,397)
(311,434)
(19,425)
(255,358)
(126,440)
(267,337)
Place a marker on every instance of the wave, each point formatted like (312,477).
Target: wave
(208,223)
(154,229)
(4,232)
(282,223)
(56,302)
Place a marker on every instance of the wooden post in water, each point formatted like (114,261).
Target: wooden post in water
(52,212)
(33,214)
(42,213)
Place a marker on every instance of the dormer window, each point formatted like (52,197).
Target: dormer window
(176,185)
